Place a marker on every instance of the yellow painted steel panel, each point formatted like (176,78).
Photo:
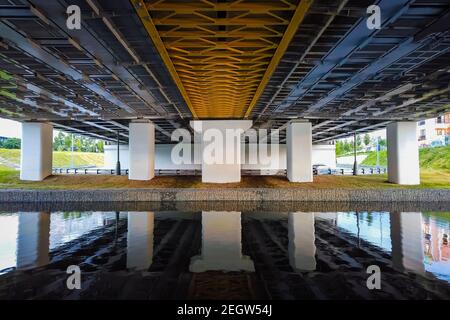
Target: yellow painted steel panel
(221,54)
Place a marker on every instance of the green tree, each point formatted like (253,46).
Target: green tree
(11,143)
(367,139)
(358,142)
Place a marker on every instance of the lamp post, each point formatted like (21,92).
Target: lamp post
(118,156)
(378,152)
(355,163)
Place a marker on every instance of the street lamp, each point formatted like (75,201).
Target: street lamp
(118,156)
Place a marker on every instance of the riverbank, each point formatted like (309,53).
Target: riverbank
(220,194)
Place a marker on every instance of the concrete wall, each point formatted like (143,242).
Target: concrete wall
(322,154)
(110,158)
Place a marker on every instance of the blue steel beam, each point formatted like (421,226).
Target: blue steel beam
(17,40)
(405,48)
(11,12)
(356,38)
(93,46)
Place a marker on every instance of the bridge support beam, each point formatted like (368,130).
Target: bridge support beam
(141,150)
(37,151)
(299,151)
(220,142)
(403,153)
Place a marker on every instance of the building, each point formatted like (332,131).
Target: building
(434,132)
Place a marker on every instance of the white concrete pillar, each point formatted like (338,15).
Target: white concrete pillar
(33,239)
(299,152)
(407,241)
(221,244)
(220,148)
(140,240)
(37,151)
(141,150)
(403,153)
(302,247)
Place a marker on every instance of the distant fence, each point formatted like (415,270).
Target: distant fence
(163,172)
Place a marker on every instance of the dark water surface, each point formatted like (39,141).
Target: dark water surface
(225,251)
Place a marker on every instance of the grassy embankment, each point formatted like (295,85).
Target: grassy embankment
(430,158)
(435,173)
(61,159)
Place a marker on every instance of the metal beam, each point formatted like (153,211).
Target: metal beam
(88,43)
(355,39)
(296,20)
(144,15)
(17,40)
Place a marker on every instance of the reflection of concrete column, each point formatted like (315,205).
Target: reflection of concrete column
(33,239)
(302,249)
(221,244)
(407,241)
(140,240)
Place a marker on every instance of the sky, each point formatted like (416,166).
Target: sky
(12,129)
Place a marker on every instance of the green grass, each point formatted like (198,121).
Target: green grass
(60,158)
(430,158)
(10,180)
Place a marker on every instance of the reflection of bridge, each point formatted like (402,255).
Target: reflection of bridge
(137,70)
(298,257)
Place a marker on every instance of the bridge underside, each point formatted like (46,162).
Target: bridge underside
(267,61)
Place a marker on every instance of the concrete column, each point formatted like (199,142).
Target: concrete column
(37,151)
(33,239)
(141,151)
(302,247)
(407,241)
(220,143)
(299,152)
(221,244)
(403,153)
(140,240)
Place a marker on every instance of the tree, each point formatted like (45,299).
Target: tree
(10,143)
(63,142)
(358,142)
(367,139)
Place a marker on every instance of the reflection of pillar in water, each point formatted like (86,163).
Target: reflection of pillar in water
(33,239)
(140,240)
(221,244)
(302,249)
(407,241)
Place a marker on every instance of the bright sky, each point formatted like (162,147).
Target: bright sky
(10,129)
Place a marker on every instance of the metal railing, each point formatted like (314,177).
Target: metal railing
(244,172)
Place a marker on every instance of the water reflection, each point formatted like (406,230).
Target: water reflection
(140,240)
(221,244)
(407,241)
(289,254)
(33,239)
(302,248)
